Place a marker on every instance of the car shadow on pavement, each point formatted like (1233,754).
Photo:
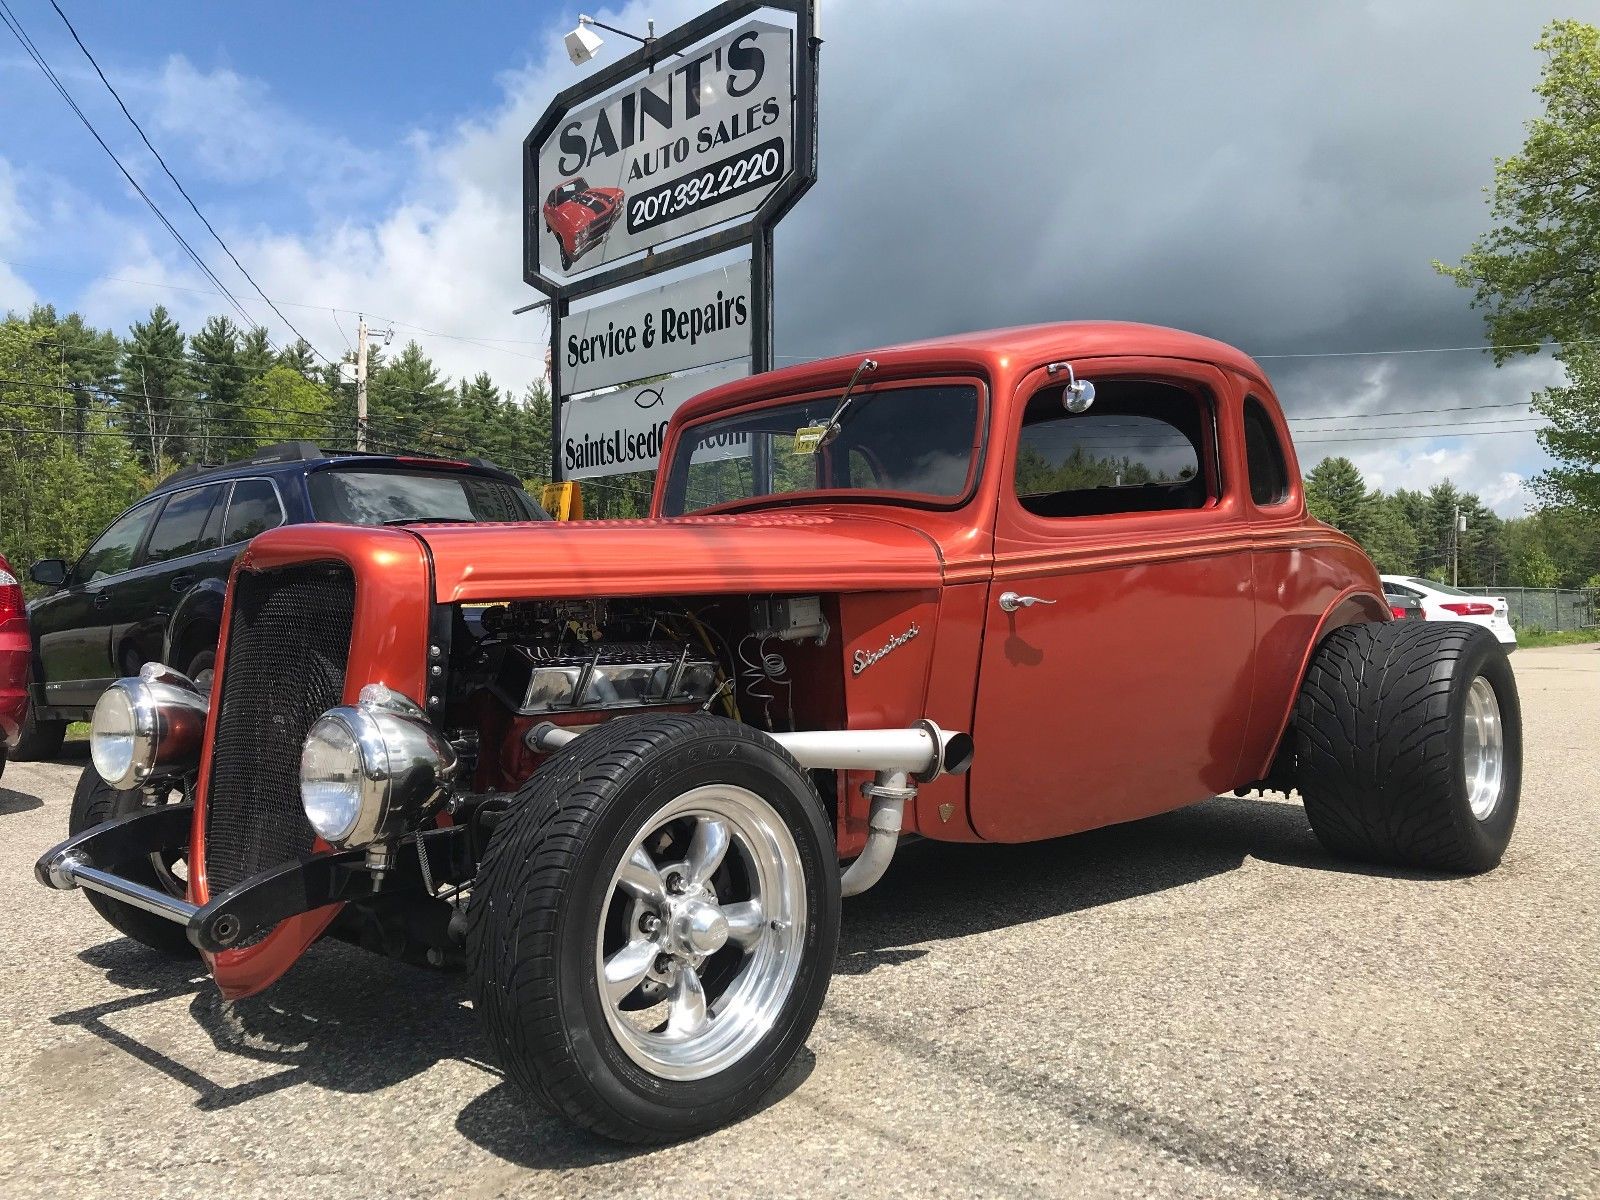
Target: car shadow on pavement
(312,1026)
(17,802)
(940,890)
(318,1027)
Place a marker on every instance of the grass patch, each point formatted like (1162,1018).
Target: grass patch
(1568,637)
(78,731)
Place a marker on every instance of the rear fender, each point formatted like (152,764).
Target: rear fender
(196,622)
(1353,606)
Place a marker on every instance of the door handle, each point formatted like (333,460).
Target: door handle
(182,583)
(1010,601)
(101,599)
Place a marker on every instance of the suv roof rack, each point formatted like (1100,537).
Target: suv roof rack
(281,452)
(284,452)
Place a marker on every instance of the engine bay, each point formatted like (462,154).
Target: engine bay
(519,664)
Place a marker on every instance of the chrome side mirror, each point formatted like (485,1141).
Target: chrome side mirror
(1078,395)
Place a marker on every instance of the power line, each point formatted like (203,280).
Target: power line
(478,340)
(182,191)
(11,22)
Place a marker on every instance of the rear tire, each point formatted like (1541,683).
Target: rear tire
(38,739)
(729,961)
(1409,745)
(95,801)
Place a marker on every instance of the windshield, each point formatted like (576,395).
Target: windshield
(917,442)
(378,497)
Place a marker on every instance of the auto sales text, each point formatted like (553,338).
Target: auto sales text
(734,70)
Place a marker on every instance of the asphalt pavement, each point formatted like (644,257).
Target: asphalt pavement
(1200,1004)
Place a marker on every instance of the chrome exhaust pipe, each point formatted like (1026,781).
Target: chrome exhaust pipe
(924,750)
(898,758)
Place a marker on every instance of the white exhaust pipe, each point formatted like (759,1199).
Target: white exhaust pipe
(895,756)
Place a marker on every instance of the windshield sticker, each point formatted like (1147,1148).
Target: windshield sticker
(808,438)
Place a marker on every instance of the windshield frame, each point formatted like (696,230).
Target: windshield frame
(863,394)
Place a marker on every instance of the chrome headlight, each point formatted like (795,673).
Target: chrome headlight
(149,724)
(368,769)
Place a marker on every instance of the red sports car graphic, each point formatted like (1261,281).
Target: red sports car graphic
(579,216)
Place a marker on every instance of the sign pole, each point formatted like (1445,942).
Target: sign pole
(558,310)
(761,342)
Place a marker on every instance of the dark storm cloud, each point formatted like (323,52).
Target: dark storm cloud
(1278,175)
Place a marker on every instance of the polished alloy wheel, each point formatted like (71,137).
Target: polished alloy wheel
(1483,749)
(700,940)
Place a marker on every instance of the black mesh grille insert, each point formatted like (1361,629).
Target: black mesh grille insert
(288,645)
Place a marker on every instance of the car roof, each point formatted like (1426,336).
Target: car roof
(302,457)
(976,350)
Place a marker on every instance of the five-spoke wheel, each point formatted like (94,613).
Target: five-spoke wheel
(696,951)
(653,925)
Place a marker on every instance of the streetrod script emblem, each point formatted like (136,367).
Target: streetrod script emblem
(865,658)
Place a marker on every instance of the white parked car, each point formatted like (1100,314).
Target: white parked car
(1441,602)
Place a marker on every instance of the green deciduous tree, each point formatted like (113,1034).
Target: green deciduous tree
(281,405)
(1536,273)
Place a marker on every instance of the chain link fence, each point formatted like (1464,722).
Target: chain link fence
(1550,610)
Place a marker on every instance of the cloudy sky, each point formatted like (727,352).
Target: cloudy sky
(1278,175)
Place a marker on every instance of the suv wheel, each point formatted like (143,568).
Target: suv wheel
(200,668)
(654,925)
(38,739)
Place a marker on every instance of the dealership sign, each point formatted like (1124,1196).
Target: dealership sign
(615,432)
(691,323)
(703,140)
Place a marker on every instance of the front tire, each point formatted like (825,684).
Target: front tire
(1409,745)
(653,927)
(95,801)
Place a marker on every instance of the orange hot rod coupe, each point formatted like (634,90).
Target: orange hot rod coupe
(996,587)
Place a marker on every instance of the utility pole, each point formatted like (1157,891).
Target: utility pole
(361,383)
(361,377)
(1457,528)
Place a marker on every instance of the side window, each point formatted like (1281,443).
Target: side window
(181,527)
(1269,474)
(1140,448)
(254,509)
(112,553)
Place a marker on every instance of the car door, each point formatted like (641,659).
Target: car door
(179,555)
(1117,654)
(74,627)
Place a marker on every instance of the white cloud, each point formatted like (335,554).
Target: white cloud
(1495,465)
(15,294)
(234,130)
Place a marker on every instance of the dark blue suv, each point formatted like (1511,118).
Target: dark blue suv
(150,588)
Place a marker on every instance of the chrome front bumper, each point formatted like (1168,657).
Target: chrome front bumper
(252,907)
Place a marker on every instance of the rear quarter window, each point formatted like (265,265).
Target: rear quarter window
(1269,472)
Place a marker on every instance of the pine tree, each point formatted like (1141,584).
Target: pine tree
(157,389)
(219,380)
